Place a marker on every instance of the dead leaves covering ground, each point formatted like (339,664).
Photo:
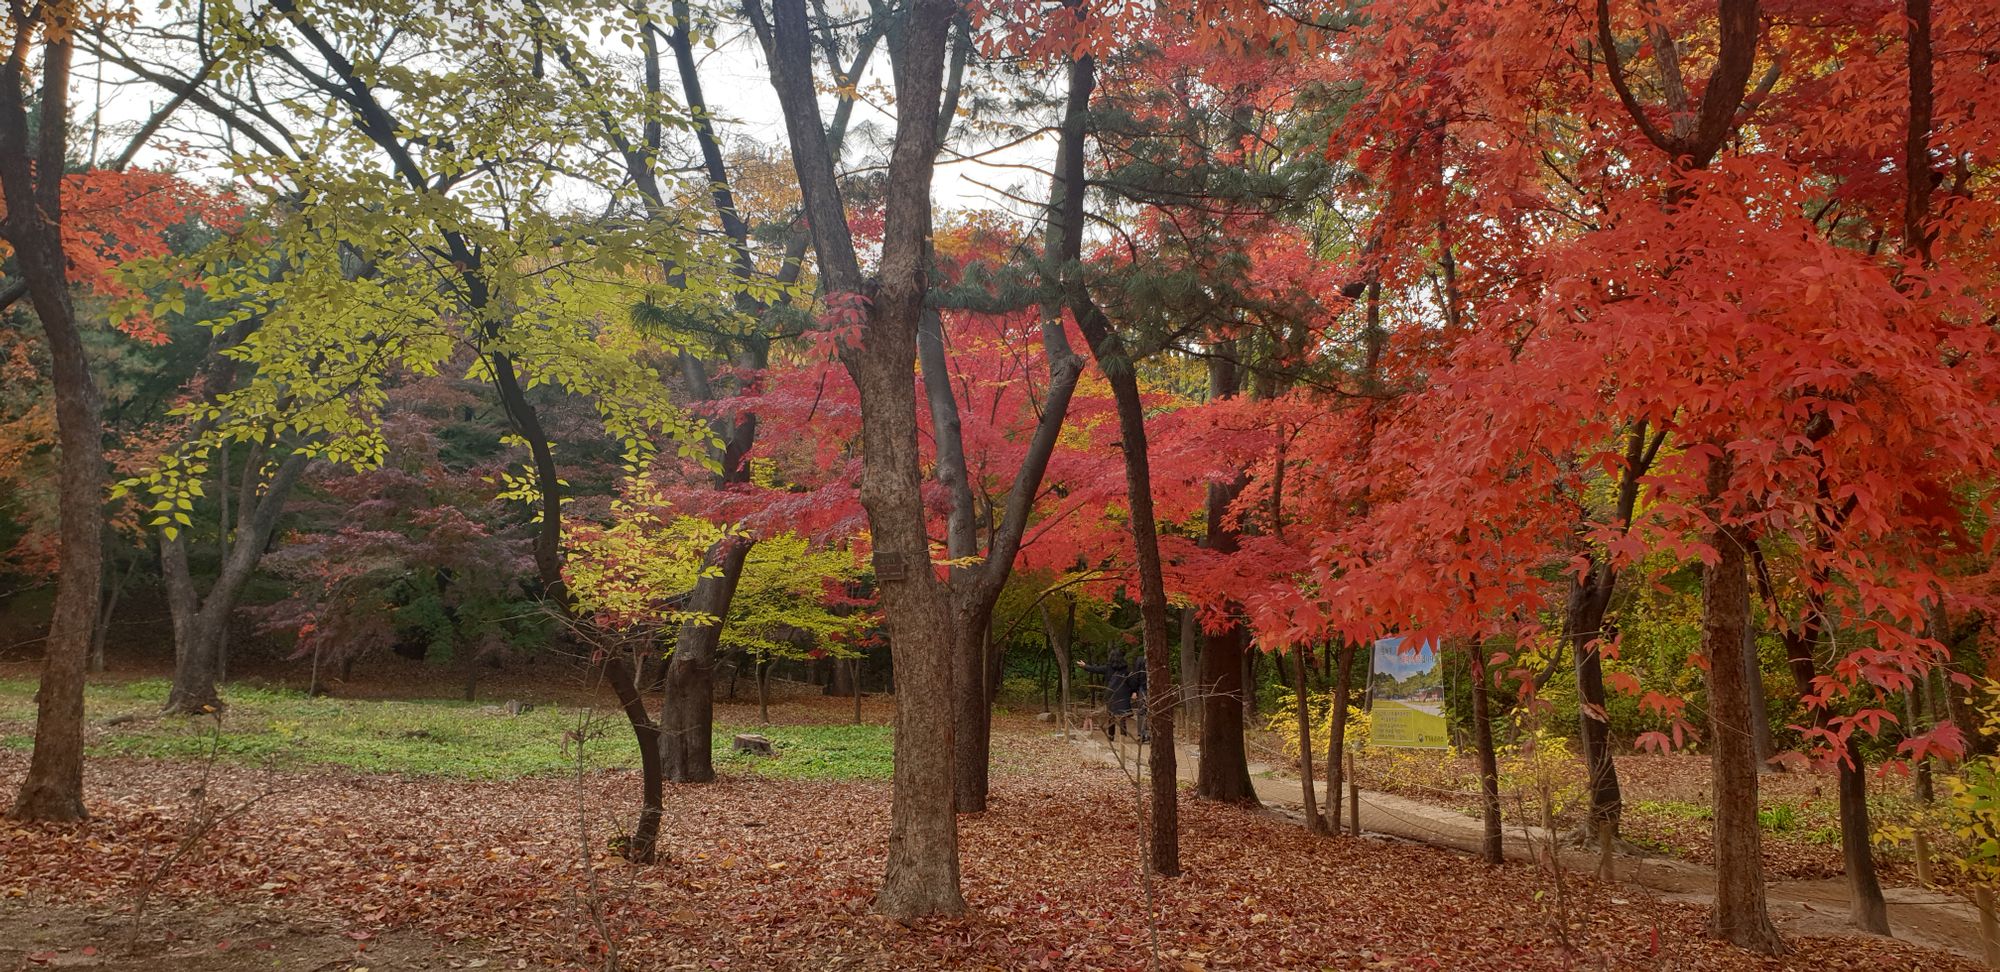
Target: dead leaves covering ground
(779,875)
(1667,807)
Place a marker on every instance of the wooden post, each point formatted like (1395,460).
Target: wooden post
(1302,697)
(1353,797)
(1989,929)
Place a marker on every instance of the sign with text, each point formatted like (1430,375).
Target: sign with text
(1407,689)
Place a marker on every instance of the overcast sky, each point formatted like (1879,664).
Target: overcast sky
(736,84)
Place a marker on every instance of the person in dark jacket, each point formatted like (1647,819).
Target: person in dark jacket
(1122,684)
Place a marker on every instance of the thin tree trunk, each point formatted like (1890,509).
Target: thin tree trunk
(1164,844)
(1867,907)
(687,714)
(1114,360)
(1336,738)
(1490,848)
(1250,659)
(1301,695)
(1761,744)
(976,588)
(1740,914)
(764,691)
(1190,662)
(1989,926)
(1060,632)
(201,622)
(1584,620)
(1224,770)
(642,846)
(102,632)
(1584,613)
(1916,722)
(31,184)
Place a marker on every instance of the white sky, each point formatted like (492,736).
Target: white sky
(737,86)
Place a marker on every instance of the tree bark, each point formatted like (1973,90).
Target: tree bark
(1114,360)
(201,623)
(1740,915)
(1583,618)
(31,168)
(1762,746)
(642,846)
(1059,633)
(976,588)
(101,633)
(1224,771)
(1302,696)
(1490,847)
(1190,645)
(1866,906)
(922,874)
(764,691)
(1336,738)
(687,716)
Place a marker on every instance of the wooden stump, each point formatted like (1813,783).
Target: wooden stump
(753,744)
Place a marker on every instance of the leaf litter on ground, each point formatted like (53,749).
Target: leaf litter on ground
(779,874)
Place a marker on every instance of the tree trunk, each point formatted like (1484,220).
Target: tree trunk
(1584,621)
(1190,659)
(687,715)
(1490,849)
(1302,696)
(1741,914)
(1865,903)
(194,686)
(972,709)
(1959,704)
(642,846)
(1059,633)
(1336,739)
(922,874)
(1249,681)
(1916,721)
(31,184)
(201,623)
(764,691)
(1989,926)
(102,632)
(1762,747)
(1224,770)
(1115,361)
(1112,359)
(1866,906)
(977,587)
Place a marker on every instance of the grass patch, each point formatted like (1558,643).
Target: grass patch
(817,752)
(462,740)
(1674,808)
(1779,819)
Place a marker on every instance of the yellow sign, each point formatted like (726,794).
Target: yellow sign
(1408,725)
(1407,689)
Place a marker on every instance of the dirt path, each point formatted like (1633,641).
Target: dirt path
(1815,908)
